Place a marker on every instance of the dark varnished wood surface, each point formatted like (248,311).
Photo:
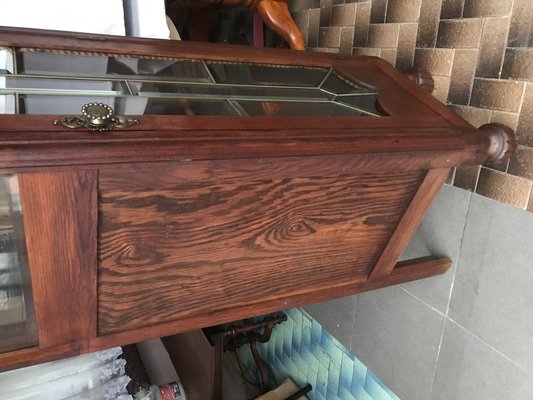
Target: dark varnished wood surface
(405,271)
(205,220)
(391,148)
(60,217)
(35,355)
(413,215)
(199,239)
(358,68)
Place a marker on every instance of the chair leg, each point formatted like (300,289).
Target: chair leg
(275,13)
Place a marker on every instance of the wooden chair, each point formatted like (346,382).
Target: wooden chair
(274,13)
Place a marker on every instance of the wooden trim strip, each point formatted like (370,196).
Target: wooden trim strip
(409,222)
(60,218)
(35,355)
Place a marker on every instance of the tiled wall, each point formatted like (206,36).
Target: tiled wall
(480,53)
(464,335)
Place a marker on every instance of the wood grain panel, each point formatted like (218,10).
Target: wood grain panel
(185,242)
(60,217)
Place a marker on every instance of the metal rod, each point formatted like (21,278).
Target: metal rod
(325,78)
(157,79)
(209,72)
(303,391)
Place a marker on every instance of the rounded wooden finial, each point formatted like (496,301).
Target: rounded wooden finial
(502,141)
(422,78)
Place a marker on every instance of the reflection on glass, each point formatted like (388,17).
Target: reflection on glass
(338,85)
(58,105)
(126,105)
(6,61)
(61,83)
(187,70)
(258,74)
(364,102)
(17,323)
(188,107)
(76,65)
(7,104)
(296,108)
(25,85)
(227,91)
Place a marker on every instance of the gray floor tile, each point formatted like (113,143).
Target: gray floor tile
(492,295)
(439,234)
(398,337)
(337,317)
(468,369)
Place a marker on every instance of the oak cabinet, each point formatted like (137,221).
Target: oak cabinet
(205,183)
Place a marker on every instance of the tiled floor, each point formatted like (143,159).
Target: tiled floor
(466,335)
(301,349)
(479,52)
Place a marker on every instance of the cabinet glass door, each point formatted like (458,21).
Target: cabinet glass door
(17,320)
(43,82)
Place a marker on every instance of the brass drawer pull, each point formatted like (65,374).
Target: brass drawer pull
(96,117)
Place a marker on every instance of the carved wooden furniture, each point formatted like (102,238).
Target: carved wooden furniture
(236,182)
(275,13)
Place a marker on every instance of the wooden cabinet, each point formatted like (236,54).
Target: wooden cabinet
(238,182)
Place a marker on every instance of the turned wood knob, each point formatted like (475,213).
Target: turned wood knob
(422,78)
(502,141)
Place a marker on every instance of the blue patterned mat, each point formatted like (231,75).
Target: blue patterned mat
(302,350)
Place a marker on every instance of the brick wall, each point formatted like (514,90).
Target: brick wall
(480,53)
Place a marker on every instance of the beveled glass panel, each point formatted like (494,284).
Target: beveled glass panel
(261,74)
(36,104)
(364,102)
(125,105)
(81,65)
(62,83)
(7,104)
(339,85)
(52,85)
(6,61)
(228,91)
(17,320)
(188,70)
(160,106)
(281,108)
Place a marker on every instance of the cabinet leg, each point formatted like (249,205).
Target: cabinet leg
(418,268)
(275,14)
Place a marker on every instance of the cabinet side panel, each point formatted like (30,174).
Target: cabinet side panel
(60,220)
(198,238)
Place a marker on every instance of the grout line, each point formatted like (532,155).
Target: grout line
(354,316)
(451,292)
(449,87)
(422,301)
(522,100)
(438,356)
(530,373)
(441,335)
(477,178)
(458,255)
(504,53)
